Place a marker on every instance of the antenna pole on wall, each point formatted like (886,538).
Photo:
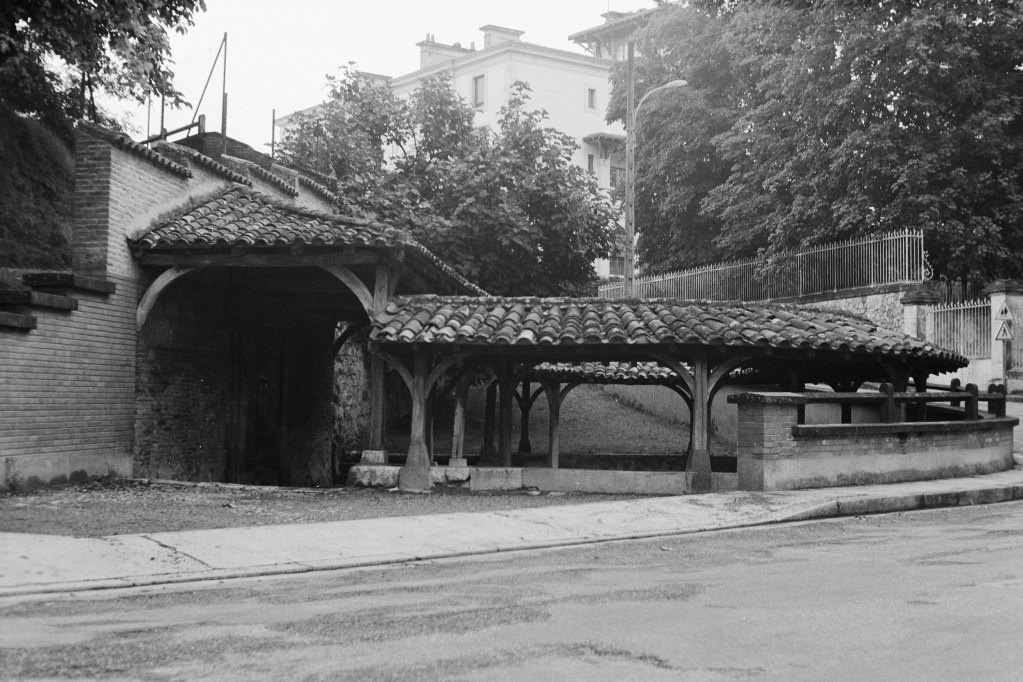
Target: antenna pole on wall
(223,113)
(273,133)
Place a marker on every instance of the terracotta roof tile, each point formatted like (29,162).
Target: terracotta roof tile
(239,216)
(564,321)
(608,372)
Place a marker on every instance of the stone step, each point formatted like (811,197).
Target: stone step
(16,321)
(65,281)
(18,298)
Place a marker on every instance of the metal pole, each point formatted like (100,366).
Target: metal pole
(273,132)
(223,111)
(630,175)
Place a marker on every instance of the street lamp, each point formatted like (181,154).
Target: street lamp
(631,117)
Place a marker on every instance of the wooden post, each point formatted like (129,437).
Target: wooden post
(996,400)
(553,391)
(458,430)
(415,475)
(920,383)
(699,459)
(382,286)
(525,406)
(431,402)
(972,406)
(887,411)
(955,386)
(489,451)
(504,434)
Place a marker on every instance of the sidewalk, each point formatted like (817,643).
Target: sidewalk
(38,564)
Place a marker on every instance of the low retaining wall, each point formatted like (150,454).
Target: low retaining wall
(545,479)
(778,453)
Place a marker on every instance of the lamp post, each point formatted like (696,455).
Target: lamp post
(631,116)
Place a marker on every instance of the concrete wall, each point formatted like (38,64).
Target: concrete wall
(775,453)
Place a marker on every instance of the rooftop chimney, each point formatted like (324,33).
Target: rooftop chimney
(495,35)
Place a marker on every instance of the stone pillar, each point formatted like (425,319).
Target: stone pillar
(764,436)
(914,310)
(1004,295)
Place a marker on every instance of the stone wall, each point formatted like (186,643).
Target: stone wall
(882,305)
(351,399)
(777,453)
(183,398)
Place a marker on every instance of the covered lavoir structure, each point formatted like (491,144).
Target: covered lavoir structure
(704,345)
(213,324)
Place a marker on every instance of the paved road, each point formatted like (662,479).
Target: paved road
(926,595)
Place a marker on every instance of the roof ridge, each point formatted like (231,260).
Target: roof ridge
(124,142)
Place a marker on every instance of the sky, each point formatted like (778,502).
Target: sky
(279,53)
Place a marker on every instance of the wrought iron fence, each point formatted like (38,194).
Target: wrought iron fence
(964,327)
(893,258)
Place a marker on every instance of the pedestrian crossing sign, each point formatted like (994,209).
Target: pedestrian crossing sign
(1004,331)
(1004,313)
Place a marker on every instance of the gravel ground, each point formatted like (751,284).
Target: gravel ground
(593,421)
(116,506)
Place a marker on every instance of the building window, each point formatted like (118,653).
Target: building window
(479,91)
(591,163)
(617,177)
(591,98)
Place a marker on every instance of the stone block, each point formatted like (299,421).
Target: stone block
(456,474)
(495,478)
(373,476)
(458,462)
(373,457)
(415,479)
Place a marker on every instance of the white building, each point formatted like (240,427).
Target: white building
(572,88)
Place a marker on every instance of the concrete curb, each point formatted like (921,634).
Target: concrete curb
(850,504)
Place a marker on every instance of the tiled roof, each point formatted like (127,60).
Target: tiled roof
(608,372)
(317,187)
(275,180)
(205,161)
(239,216)
(666,322)
(124,142)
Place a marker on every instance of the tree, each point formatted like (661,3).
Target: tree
(118,46)
(505,208)
(851,119)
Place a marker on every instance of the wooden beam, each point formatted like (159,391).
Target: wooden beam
(247,259)
(148,300)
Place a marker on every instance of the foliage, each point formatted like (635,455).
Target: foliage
(834,119)
(506,208)
(36,184)
(55,55)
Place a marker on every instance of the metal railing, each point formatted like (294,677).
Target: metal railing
(963,327)
(893,258)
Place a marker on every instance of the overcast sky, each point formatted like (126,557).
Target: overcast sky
(280,52)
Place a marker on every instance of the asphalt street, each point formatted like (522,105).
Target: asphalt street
(935,595)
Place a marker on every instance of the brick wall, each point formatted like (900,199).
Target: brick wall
(777,454)
(82,394)
(67,387)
